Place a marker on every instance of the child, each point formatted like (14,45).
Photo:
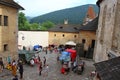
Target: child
(15,78)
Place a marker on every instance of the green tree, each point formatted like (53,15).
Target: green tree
(47,25)
(23,23)
(34,26)
(43,28)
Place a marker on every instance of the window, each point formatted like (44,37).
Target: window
(0,20)
(75,28)
(23,38)
(63,35)
(83,40)
(5,47)
(75,36)
(55,35)
(5,20)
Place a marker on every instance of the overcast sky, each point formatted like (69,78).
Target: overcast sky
(38,7)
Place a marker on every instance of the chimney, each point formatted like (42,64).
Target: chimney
(66,21)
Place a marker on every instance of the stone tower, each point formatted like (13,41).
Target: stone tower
(108,33)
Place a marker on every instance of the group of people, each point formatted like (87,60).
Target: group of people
(14,66)
(72,66)
(17,66)
(68,66)
(42,66)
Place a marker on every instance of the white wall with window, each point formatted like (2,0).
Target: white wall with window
(31,38)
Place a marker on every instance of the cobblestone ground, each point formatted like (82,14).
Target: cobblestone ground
(31,73)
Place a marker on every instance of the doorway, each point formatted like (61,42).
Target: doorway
(93,44)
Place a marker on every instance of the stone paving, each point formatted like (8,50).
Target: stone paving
(31,73)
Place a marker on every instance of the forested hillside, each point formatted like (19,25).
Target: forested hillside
(74,15)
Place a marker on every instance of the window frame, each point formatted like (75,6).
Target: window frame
(75,36)
(63,35)
(83,41)
(5,20)
(5,47)
(54,35)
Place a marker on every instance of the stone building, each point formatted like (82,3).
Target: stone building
(87,36)
(8,28)
(62,33)
(87,33)
(108,33)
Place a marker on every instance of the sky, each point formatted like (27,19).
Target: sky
(35,8)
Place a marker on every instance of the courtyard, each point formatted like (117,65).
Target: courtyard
(31,73)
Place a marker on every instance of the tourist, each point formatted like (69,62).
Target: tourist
(57,57)
(44,61)
(69,65)
(14,68)
(1,64)
(39,58)
(15,78)
(40,67)
(63,70)
(20,67)
(32,62)
(74,65)
(45,72)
